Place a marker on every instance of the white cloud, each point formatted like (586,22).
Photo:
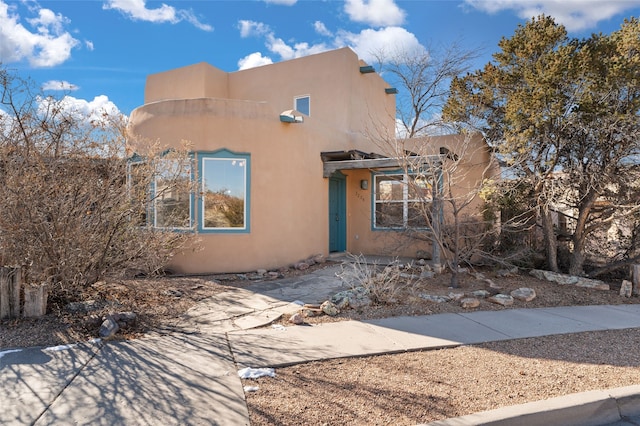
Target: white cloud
(252,28)
(45,45)
(89,45)
(378,13)
(575,15)
(94,111)
(253,60)
(390,41)
(59,85)
(138,11)
(322,29)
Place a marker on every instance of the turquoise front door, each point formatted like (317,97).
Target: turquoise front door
(337,212)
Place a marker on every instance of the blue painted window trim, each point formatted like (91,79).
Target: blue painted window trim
(307,110)
(150,217)
(374,188)
(223,154)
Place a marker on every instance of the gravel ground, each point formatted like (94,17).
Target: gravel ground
(418,387)
(401,389)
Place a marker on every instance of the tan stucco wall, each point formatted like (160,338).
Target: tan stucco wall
(240,112)
(475,165)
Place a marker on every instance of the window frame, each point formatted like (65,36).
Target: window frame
(154,200)
(295,104)
(223,154)
(406,202)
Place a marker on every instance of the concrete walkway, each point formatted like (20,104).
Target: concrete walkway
(189,376)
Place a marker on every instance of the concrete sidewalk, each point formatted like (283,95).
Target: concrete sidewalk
(189,376)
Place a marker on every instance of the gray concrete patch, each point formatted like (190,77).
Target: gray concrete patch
(169,381)
(32,378)
(600,317)
(520,323)
(296,344)
(450,327)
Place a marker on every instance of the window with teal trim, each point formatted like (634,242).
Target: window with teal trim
(401,201)
(303,104)
(225,189)
(171,194)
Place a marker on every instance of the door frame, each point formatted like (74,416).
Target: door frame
(337,212)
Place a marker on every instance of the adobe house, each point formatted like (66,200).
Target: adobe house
(287,158)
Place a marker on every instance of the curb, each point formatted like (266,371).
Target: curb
(593,408)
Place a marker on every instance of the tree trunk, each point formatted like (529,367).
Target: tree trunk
(579,238)
(550,240)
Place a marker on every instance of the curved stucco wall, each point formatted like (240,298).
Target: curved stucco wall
(288,197)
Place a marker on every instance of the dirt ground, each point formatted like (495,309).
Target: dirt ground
(394,389)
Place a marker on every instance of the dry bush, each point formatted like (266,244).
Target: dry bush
(382,283)
(69,215)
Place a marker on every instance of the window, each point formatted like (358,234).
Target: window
(224,196)
(171,195)
(401,201)
(303,104)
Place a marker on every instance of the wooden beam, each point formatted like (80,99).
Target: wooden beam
(330,167)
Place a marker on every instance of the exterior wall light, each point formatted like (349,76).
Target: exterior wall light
(364,184)
(291,116)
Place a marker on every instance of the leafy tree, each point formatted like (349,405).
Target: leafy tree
(69,215)
(563,113)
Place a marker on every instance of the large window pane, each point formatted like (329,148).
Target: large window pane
(224,193)
(402,201)
(389,188)
(171,196)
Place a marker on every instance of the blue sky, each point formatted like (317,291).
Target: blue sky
(99,52)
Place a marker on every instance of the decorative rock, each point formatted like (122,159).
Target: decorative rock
(427,274)
(563,279)
(434,298)
(492,284)
(355,298)
(329,309)
(261,272)
(318,258)
(124,318)
(274,274)
(296,319)
(504,273)
(480,293)
(625,288)
(421,262)
(501,299)
(108,328)
(524,294)
(301,266)
(309,313)
(456,296)
(469,302)
(85,306)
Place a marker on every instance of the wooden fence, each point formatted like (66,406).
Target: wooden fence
(13,292)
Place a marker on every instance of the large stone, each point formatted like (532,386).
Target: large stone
(329,308)
(469,302)
(501,299)
(109,328)
(456,296)
(626,288)
(564,279)
(480,293)
(524,294)
(434,298)
(296,319)
(357,297)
